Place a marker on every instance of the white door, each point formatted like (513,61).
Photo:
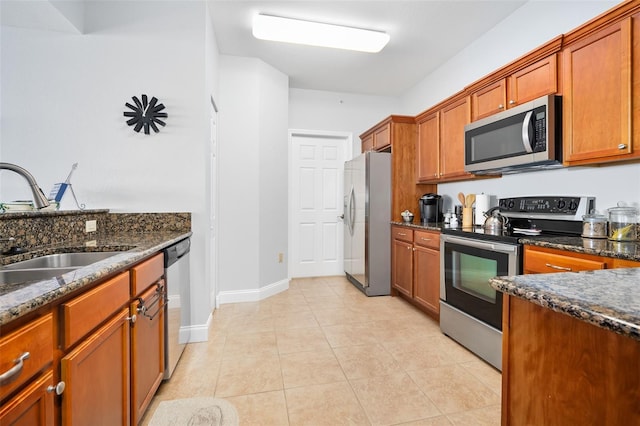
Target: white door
(213,207)
(315,199)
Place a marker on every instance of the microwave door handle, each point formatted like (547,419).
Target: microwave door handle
(526,135)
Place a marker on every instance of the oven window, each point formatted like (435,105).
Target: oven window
(474,274)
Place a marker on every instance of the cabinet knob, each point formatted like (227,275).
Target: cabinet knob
(58,389)
(132,318)
(622,146)
(14,371)
(500,106)
(511,102)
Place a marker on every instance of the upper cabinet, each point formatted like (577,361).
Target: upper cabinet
(440,148)
(601,88)
(523,80)
(381,136)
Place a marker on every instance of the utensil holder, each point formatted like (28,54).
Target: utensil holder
(467,217)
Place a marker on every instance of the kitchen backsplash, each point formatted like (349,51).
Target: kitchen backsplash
(37,229)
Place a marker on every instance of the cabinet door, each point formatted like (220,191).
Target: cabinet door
(489,100)
(147,349)
(382,137)
(427,278)
(97,377)
(452,121)
(367,143)
(534,81)
(31,407)
(402,267)
(597,102)
(428,155)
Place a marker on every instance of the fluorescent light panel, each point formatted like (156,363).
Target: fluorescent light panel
(275,28)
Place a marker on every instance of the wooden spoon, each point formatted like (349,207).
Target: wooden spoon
(461,199)
(471,198)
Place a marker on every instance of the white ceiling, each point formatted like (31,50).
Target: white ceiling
(424,34)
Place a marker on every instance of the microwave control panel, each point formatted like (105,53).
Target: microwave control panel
(547,206)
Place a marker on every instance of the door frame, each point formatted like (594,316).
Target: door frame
(348,155)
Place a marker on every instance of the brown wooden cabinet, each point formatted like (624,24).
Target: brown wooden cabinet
(526,84)
(97,377)
(382,136)
(33,406)
(415,267)
(402,260)
(440,147)
(26,356)
(426,270)
(558,370)
(541,260)
(147,334)
(600,93)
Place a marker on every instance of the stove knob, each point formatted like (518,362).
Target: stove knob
(573,205)
(561,204)
(511,204)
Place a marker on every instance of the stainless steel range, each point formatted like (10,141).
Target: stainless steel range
(470,310)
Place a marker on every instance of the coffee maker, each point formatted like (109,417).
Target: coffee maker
(430,208)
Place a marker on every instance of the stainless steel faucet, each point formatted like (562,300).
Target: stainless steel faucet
(39,199)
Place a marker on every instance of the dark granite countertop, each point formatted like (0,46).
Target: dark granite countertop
(17,300)
(607,298)
(629,250)
(429,226)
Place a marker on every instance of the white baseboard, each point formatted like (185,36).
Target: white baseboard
(198,333)
(256,295)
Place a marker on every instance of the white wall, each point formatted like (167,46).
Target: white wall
(340,112)
(253,167)
(63,97)
(512,38)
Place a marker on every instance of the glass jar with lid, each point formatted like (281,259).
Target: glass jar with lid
(623,223)
(594,226)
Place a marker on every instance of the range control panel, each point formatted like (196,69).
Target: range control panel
(567,207)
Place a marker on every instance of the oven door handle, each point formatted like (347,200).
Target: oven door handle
(503,248)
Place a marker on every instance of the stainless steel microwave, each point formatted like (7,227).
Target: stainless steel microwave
(524,138)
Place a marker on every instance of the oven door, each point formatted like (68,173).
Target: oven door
(466,267)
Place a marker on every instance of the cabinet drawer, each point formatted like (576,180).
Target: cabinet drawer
(427,239)
(146,273)
(35,338)
(540,262)
(87,311)
(401,233)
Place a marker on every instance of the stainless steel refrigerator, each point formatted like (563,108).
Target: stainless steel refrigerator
(367,216)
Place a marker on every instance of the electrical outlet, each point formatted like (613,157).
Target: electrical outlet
(280,257)
(90,226)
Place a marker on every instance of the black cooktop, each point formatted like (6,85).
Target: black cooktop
(534,217)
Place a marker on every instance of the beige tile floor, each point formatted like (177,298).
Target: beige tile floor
(322,353)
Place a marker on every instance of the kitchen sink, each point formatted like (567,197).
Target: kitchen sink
(62,260)
(25,275)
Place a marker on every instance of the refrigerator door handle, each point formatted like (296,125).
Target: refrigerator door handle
(352,210)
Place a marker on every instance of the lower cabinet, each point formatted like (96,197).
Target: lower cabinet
(33,406)
(541,260)
(415,267)
(97,377)
(147,348)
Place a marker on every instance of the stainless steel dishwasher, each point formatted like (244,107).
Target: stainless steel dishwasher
(176,330)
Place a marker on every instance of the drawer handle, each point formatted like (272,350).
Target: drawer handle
(425,239)
(562,268)
(402,234)
(14,371)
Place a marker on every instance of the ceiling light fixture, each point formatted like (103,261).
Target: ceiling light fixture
(275,28)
